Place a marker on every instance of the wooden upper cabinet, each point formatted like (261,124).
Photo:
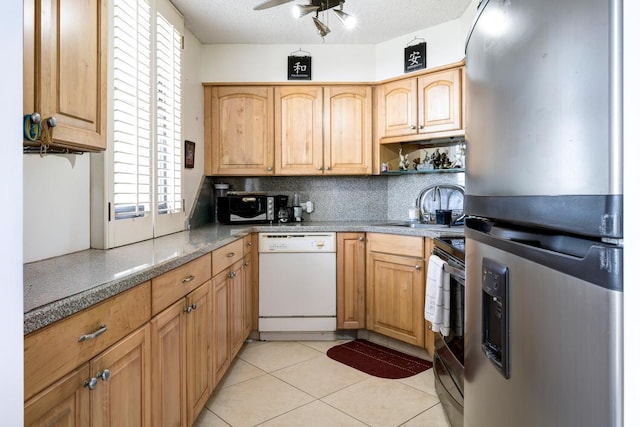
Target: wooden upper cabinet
(65,69)
(239,131)
(440,102)
(298,130)
(417,108)
(347,130)
(397,107)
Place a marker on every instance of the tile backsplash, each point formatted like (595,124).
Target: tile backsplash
(335,198)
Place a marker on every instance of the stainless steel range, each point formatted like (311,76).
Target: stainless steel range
(449,349)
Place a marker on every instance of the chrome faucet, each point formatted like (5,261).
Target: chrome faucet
(437,189)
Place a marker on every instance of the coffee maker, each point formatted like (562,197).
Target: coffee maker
(284,211)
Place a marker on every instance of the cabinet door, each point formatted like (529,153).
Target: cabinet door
(236,307)
(298,129)
(238,130)
(247,294)
(395,297)
(63,404)
(347,130)
(397,108)
(168,367)
(221,315)
(351,280)
(65,69)
(440,101)
(199,346)
(124,398)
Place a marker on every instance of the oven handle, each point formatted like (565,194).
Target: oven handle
(453,271)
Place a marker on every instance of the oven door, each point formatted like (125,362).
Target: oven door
(449,350)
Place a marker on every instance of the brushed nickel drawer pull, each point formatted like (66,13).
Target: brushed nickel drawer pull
(231,254)
(188,278)
(100,331)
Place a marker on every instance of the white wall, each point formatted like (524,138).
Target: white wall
(56,205)
(11,313)
(445,45)
(268,63)
(192,113)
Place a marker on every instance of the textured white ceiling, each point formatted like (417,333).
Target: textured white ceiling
(235,21)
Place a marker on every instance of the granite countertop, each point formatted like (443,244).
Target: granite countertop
(59,287)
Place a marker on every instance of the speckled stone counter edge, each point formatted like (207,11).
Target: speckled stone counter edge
(57,310)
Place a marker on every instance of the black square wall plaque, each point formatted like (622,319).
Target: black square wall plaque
(415,57)
(299,68)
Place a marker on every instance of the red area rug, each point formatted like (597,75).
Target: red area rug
(377,360)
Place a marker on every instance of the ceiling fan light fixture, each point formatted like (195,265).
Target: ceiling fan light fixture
(349,21)
(323,30)
(300,10)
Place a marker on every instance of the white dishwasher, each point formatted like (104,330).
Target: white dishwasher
(297,287)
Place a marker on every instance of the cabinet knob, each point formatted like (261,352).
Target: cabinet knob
(194,306)
(412,127)
(361,239)
(188,309)
(418,267)
(104,375)
(232,275)
(246,264)
(319,168)
(327,168)
(269,168)
(250,244)
(91,384)
(421,127)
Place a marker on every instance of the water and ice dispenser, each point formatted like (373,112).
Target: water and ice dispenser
(495,314)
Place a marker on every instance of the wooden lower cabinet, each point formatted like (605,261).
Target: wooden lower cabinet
(351,280)
(395,287)
(120,396)
(123,399)
(182,366)
(65,403)
(231,324)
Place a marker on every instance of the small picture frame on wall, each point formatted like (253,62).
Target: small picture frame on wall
(189,154)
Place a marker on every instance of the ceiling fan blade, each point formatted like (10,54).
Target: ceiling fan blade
(270,3)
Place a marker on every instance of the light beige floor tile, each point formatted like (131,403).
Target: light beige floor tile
(254,401)
(270,356)
(434,417)
(323,346)
(209,419)
(320,376)
(381,402)
(424,381)
(239,371)
(315,414)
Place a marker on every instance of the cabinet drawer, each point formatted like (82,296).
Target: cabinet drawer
(393,244)
(173,285)
(55,350)
(247,242)
(226,255)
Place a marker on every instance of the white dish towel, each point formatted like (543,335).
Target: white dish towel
(438,296)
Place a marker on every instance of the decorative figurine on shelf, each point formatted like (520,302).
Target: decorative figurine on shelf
(404,161)
(416,164)
(435,159)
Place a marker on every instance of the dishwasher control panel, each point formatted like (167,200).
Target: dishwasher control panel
(297,242)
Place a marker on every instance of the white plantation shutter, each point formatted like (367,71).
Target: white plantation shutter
(147,121)
(169,117)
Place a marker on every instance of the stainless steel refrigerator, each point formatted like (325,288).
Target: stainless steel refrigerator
(544,241)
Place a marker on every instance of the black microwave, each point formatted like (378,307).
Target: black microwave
(245,208)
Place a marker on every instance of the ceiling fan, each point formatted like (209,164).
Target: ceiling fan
(321,4)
